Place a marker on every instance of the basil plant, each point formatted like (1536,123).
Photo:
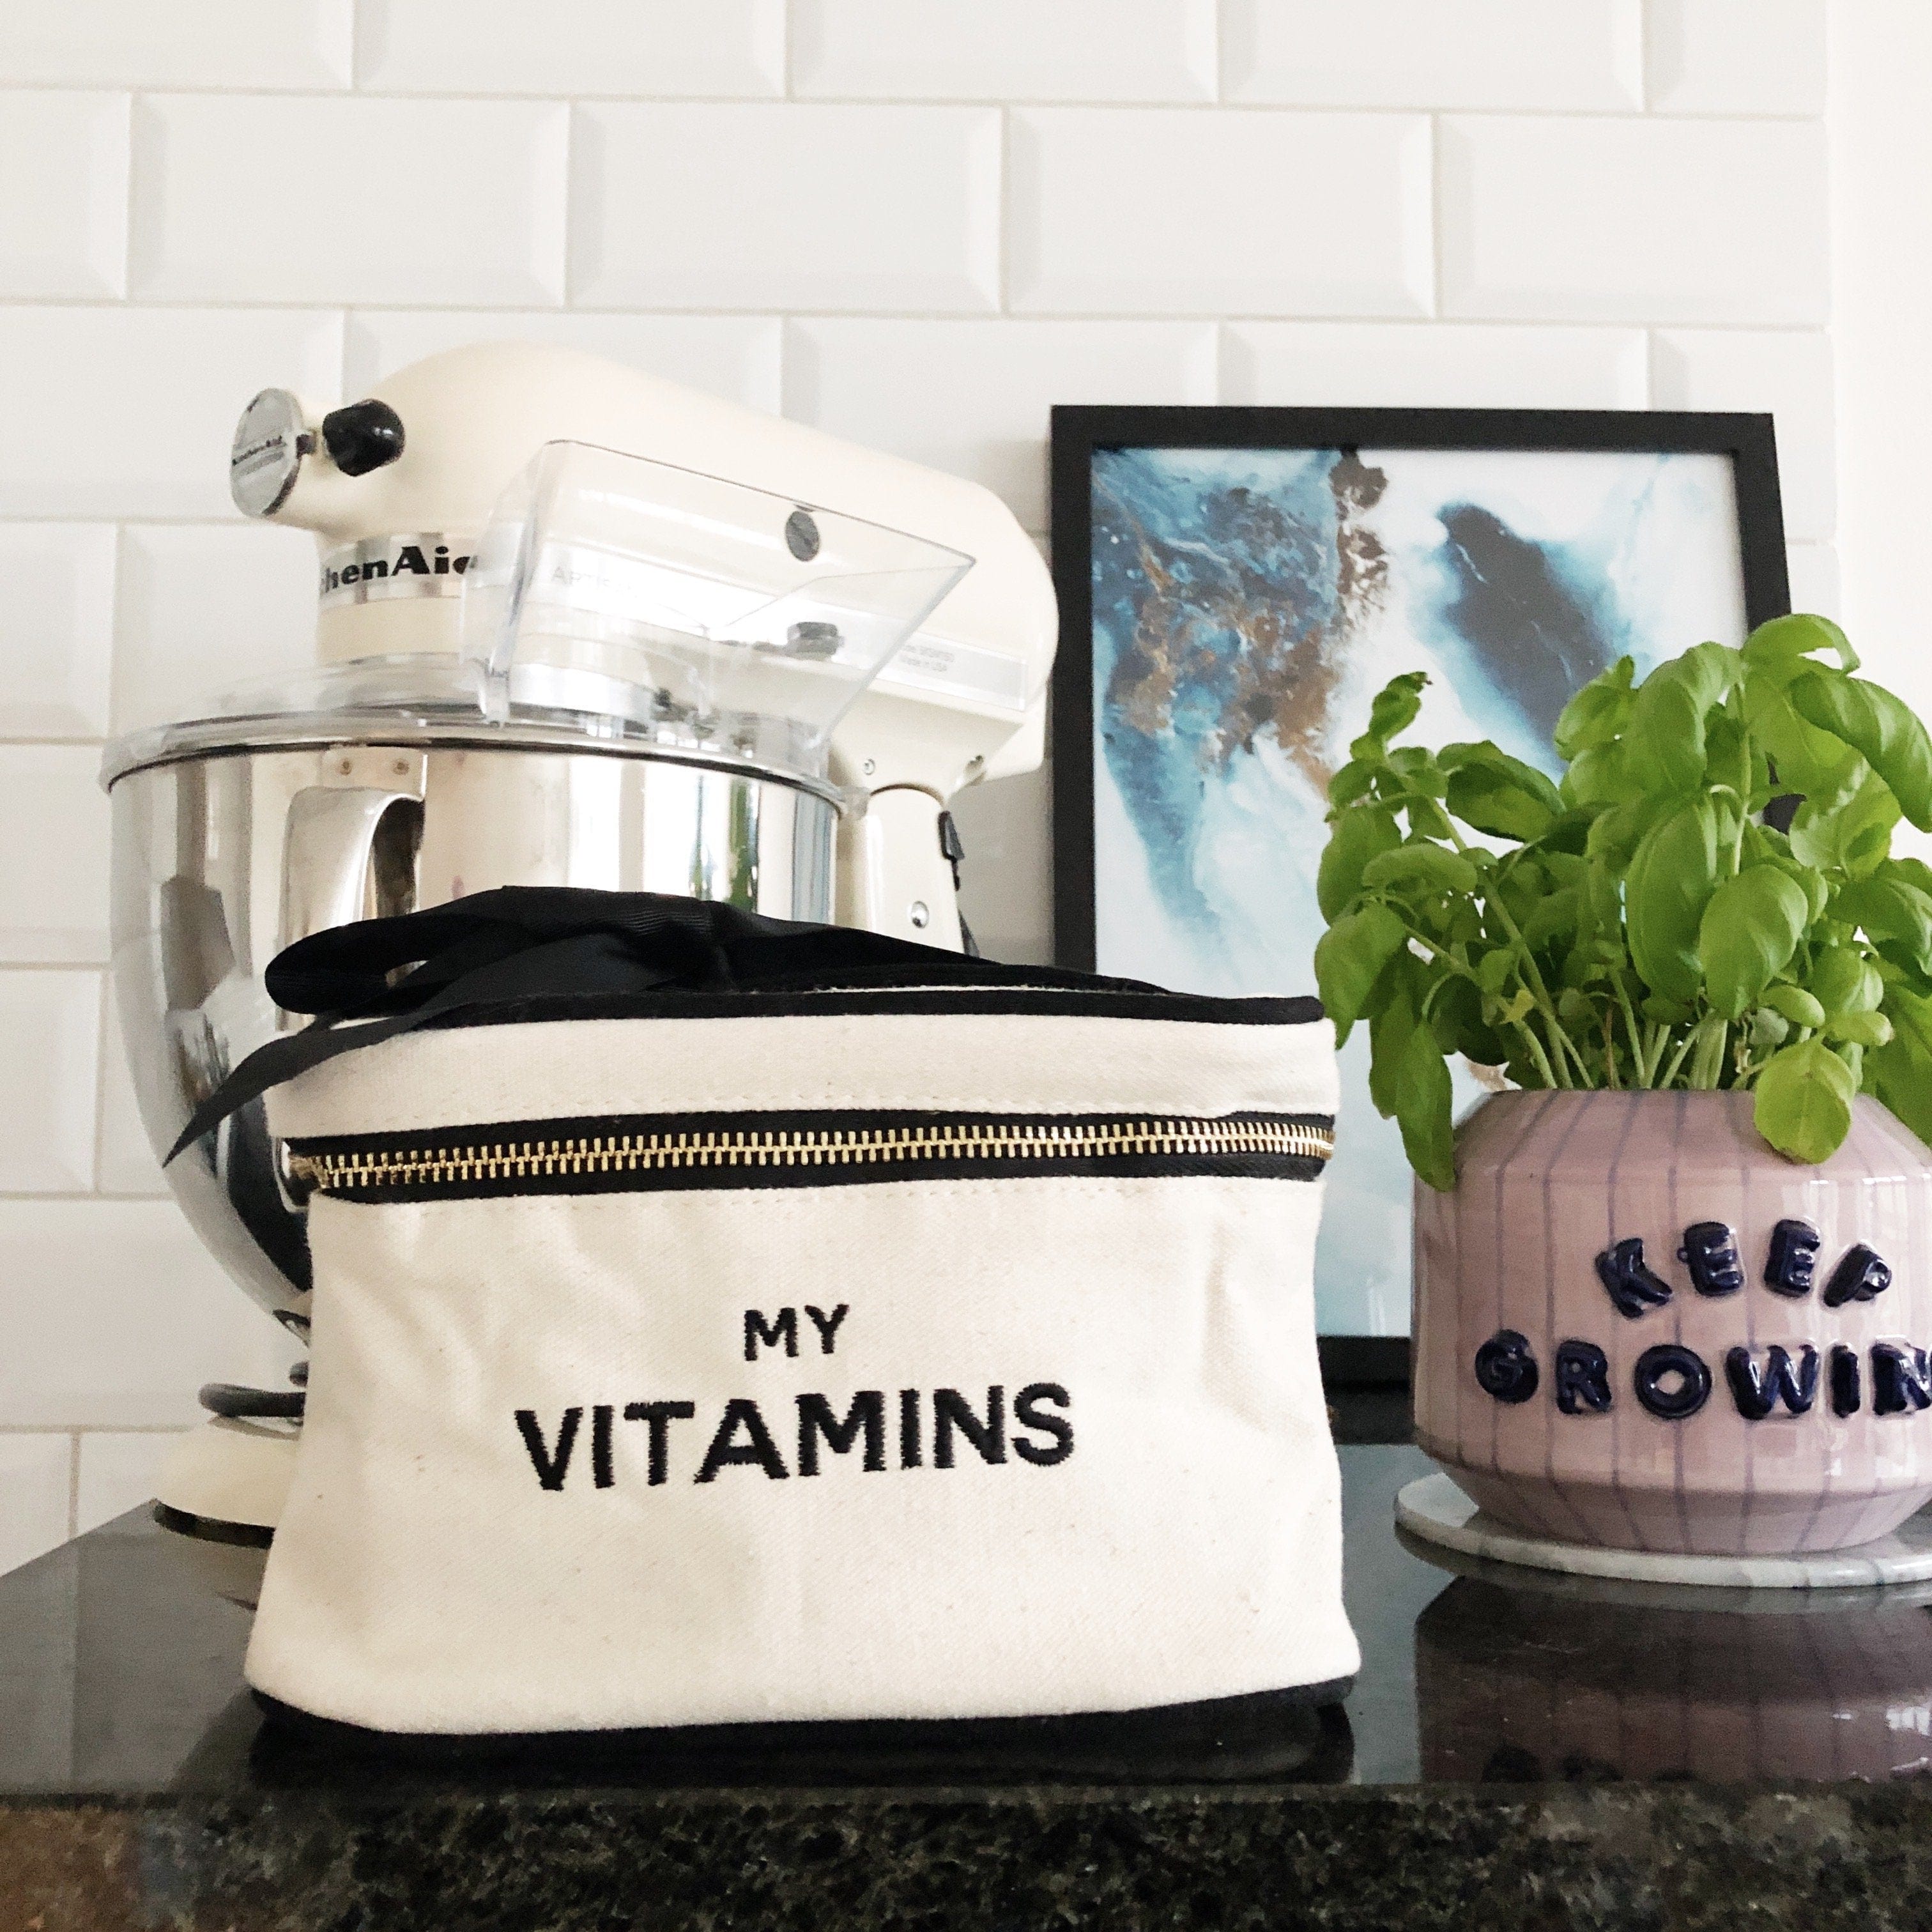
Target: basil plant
(1642,924)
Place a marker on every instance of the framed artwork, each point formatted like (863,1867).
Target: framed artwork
(1236,584)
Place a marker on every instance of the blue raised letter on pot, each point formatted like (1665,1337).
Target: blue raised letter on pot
(1505,1368)
(1757,1393)
(1582,1378)
(1791,1266)
(1632,1286)
(1671,1381)
(1859,1277)
(1710,1251)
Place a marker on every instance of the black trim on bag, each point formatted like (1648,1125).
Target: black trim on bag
(1299,1733)
(822,1147)
(941,999)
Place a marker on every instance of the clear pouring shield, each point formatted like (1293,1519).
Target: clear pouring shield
(707,614)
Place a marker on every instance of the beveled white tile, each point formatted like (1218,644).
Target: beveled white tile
(365,199)
(114,412)
(50,1064)
(53,868)
(1737,56)
(115,1315)
(1585,54)
(683,206)
(973,397)
(664,48)
(183,44)
(1169,212)
(63,194)
(1789,374)
(204,607)
(735,356)
(1432,365)
(1005,50)
(36,1477)
(1814,583)
(1598,219)
(56,629)
(125,1163)
(118,1471)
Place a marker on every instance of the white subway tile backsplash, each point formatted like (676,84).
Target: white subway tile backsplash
(124,1163)
(786,206)
(49,1057)
(56,629)
(659,48)
(183,43)
(204,606)
(1005,49)
(36,1478)
(974,398)
(254,199)
(63,194)
(53,865)
(125,411)
(1633,221)
(115,1315)
(735,356)
(1177,212)
(118,1469)
(1438,365)
(1814,582)
(1582,54)
(1737,56)
(1788,374)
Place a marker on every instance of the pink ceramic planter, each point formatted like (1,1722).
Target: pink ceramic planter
(1565,1416)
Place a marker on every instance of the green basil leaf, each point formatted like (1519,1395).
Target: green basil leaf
(1598,775)
(1360,833)
(1554,914)
(1880,726)
(1853,835)
(1858,1029)
(1663,743)
(1901,1071)
(1795,1004)
(1803,1103)
(1781,641)
(1356,779)
(1598,712)
(1908,871)
(1421,869)
(1349,958)
(1498,794)
(1891,913)
(1751,927)
(1825,769)
(1393,709)
(1842,980)
(1670,881)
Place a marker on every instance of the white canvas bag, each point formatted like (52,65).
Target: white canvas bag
(861,1350)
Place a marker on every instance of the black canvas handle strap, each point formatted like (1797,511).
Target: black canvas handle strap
(378,978)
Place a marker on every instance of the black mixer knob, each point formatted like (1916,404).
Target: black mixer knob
(362,436)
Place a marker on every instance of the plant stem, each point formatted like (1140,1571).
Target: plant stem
(1677,1060)
(1536,1054)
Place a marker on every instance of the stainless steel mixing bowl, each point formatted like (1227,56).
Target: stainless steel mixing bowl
(225,852)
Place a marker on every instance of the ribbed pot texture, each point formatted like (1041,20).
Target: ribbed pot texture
(1605,1440)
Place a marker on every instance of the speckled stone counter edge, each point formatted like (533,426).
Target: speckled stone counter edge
(1588,1858)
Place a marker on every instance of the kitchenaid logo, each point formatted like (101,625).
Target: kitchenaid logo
(1673,1381)
(787,1435)
(420,566)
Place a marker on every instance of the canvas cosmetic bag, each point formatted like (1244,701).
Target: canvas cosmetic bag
(717,1320)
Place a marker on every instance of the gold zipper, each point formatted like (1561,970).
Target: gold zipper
(358,1170)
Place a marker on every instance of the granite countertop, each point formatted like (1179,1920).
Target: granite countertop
(1518,1751)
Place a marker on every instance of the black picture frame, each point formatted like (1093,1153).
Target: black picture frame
(1079,431)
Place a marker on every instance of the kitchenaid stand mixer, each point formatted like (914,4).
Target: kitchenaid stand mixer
(576,626)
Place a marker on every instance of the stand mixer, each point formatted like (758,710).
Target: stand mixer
(576,626)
